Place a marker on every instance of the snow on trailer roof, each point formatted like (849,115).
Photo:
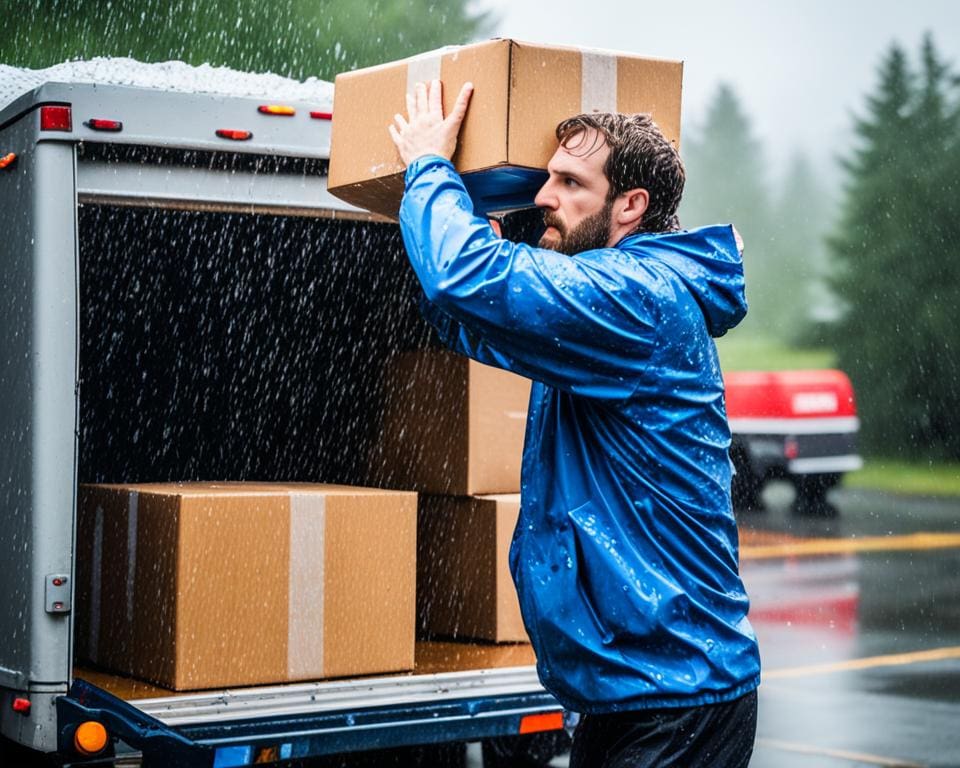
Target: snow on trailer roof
(168,76)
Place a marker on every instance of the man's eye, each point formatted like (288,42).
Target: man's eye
(571,182)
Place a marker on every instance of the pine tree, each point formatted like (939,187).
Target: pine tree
(896,251)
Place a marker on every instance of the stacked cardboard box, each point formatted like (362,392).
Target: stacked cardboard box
(451,426)
(205,585)
(453,431)
(464,587)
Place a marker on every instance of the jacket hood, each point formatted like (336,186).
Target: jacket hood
(708,262)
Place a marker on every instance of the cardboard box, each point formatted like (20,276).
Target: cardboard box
(451,426)
(521,92)
(205,585)
(464,587)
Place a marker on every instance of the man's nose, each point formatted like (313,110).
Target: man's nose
(545,198)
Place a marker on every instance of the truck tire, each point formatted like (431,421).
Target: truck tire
(534,750)
(812,494)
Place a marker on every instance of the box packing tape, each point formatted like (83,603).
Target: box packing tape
(305,593)
(424,68)
(598,82)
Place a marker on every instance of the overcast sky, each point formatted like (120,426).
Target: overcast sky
(799,67)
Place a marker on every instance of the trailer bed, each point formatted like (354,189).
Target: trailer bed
(433,657)
(457,692)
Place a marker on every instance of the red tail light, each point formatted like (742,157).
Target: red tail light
(791,449)
(322,115)
(97,124)
(227,133)
(56,119)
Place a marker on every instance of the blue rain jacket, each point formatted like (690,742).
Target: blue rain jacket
(625,556)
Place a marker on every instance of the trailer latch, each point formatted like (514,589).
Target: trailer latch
(58,593)
(7,160)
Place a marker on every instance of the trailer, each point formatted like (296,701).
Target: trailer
(183,299)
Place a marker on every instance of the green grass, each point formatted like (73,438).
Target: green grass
(741,352)
(916,477)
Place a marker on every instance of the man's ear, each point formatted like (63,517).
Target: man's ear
(632,205)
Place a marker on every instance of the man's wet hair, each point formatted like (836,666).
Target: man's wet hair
(640,157)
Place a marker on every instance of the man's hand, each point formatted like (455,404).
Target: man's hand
(427,132)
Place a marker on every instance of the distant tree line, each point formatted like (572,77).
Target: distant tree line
(885,257)
(294,38)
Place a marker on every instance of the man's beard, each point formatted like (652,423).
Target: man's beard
(593,232)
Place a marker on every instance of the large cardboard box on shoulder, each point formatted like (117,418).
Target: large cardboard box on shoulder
(209,585)
(464,587)
(451,426)
(521,92)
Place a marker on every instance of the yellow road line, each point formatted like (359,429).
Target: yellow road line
(890,660)
(856,757)
(810,547)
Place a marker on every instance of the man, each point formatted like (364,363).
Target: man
(625,554)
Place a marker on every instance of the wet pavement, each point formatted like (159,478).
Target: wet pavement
(861,641)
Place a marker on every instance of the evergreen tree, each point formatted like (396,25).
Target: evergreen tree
(726,184)
(295,38)
(896,249)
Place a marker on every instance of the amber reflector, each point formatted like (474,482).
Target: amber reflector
(90,738)
(548,721)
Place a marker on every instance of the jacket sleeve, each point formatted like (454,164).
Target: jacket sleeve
(574,322)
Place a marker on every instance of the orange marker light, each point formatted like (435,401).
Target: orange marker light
(276,109)
(90,738)
(7,160)
(548,721)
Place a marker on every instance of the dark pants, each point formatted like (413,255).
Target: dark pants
(715,735)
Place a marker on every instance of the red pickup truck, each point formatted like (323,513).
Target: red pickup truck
(795,425)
